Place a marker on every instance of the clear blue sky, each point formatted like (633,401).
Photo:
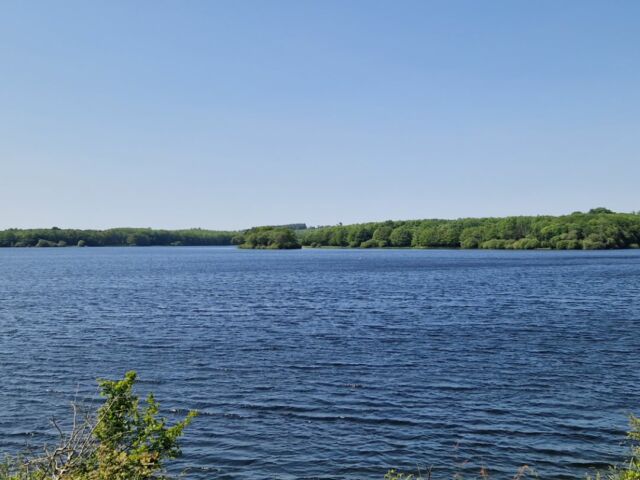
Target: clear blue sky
(238,113)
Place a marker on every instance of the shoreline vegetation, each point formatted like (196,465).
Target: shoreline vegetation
(114,237)
(597,229)
(270,238)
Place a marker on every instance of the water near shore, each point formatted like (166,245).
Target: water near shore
(335,363)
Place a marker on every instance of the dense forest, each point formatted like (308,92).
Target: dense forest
(600,228)
(597,229)
(115,237)
(272,238)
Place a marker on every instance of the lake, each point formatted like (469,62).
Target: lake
(335,364)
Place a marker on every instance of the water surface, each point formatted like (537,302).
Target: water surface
(335,363)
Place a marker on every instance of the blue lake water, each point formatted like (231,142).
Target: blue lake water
(335,363)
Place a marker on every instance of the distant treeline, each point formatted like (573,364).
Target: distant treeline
(597,229)
(600,228)
(115,237)
(290,226)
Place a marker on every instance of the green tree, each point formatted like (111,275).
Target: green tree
(338,237)
(471,237)
(401,236)
(273,238)
(381,235)
(358,235)
(599,210)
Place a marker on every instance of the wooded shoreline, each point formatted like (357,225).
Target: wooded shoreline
(597,229)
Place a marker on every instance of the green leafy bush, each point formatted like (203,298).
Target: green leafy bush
(42,243)
(125,440)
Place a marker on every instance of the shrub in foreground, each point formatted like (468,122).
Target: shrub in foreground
(125,439)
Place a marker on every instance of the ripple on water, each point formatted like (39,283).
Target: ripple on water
(335,364)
